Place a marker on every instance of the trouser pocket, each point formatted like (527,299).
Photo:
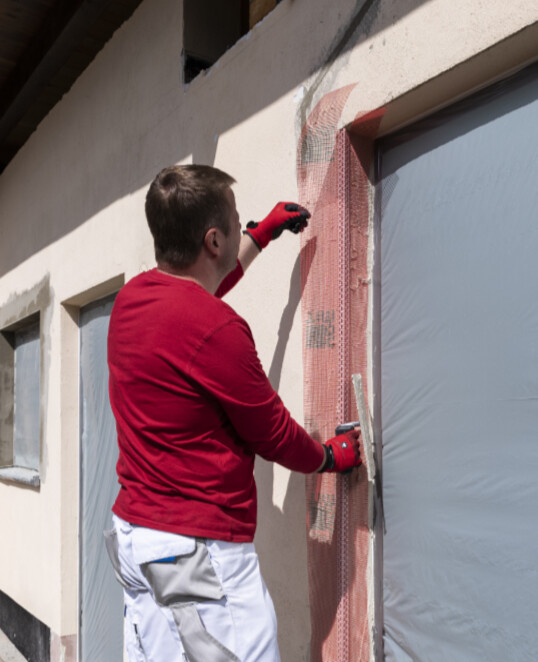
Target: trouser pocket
(186,578)
(179,583)
(199,644)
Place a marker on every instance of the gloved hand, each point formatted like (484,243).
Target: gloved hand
(285,216)
(343,452)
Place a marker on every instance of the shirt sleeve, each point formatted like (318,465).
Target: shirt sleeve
(228,367)
(230,281)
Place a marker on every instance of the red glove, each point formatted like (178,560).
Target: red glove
(285,216)
(342,452)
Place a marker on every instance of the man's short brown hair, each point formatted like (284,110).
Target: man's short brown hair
(182,204)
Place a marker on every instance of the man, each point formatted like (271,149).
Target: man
(193,407)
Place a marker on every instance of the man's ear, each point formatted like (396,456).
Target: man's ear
(212,241)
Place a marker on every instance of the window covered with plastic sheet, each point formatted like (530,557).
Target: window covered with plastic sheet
(27,362)
(101,597)
(458,324)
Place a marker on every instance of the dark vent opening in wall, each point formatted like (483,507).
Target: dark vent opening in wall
(193,66)
(211,27)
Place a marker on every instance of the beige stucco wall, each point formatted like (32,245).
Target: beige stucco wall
(71,209)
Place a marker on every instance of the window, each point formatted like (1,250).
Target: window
(20,366)
(459,378)
(211,27)
(101,599)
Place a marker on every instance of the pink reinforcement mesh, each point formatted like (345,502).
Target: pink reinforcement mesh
(333,185)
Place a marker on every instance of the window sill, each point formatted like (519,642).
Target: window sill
(20,475)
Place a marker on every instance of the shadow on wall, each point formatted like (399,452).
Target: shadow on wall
(88,171)
(281,534)
(286,321)
(281,547)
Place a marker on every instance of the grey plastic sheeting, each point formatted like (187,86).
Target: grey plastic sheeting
(26,398)
(459,381)
(101,618)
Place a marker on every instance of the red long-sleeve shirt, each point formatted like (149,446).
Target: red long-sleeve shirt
(193,407)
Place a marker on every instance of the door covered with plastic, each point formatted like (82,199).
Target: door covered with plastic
(101,597)
(458,380)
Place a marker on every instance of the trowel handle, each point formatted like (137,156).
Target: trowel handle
(342,429)
(346,427)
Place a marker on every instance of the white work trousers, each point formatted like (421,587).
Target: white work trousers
(191,599)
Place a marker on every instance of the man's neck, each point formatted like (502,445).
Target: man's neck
(193,274)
